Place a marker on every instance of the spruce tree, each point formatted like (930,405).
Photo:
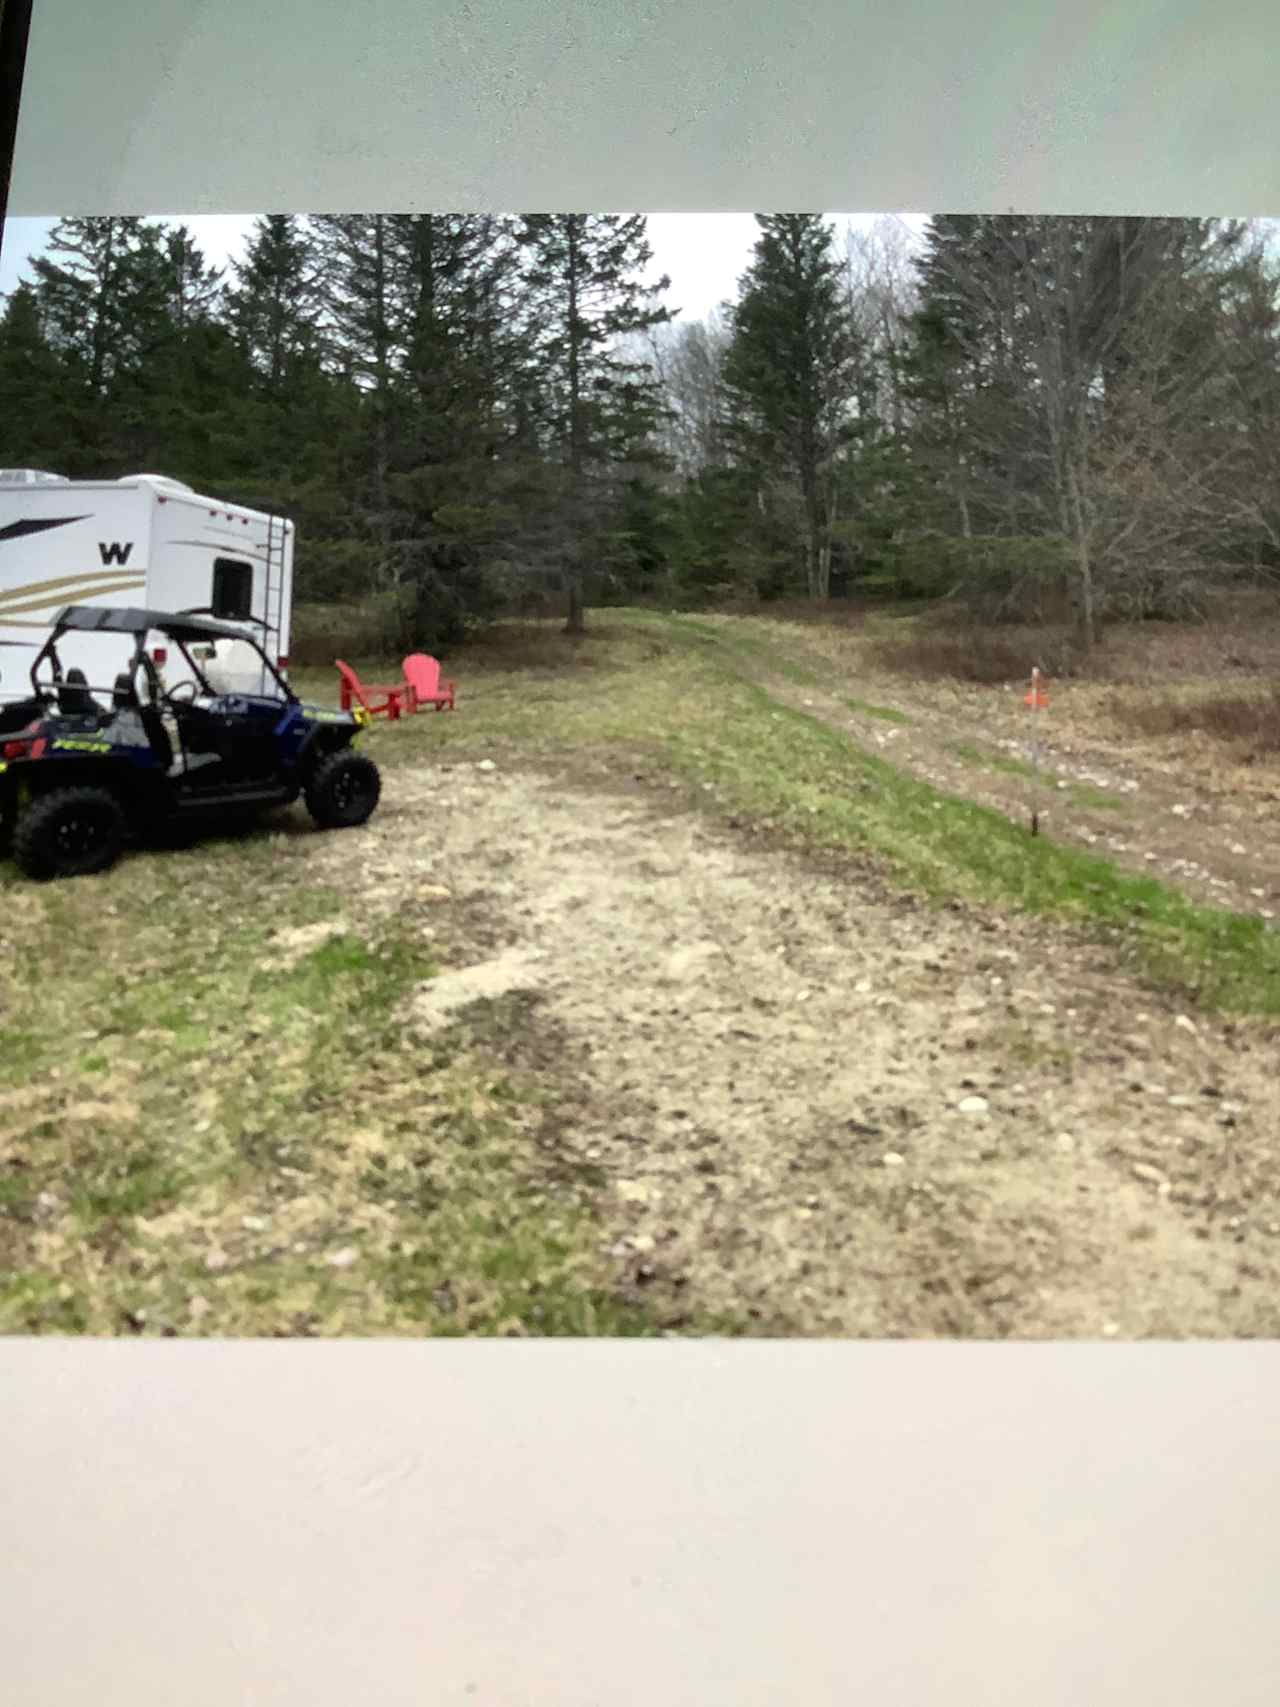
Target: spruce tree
(273,302)
(790,373)
(34,390)
(596,408)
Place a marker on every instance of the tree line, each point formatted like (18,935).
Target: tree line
(1035,416)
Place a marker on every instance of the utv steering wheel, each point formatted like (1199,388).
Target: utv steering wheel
(171,696)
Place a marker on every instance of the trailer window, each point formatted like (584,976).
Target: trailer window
(232,590)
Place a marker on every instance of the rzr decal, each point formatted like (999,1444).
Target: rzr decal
(82,746)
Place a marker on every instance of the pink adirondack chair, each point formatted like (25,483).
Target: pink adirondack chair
(379,699)
(422,673)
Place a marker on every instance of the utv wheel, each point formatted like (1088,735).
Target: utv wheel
(343,791)
(72,832)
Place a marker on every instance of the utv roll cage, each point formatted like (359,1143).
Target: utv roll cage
(183,630)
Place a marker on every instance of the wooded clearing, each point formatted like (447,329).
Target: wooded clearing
(697,976)
(1047,418)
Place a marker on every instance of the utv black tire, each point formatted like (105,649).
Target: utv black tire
(72,832)
(343,790)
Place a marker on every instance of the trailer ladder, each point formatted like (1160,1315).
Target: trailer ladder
(277,529)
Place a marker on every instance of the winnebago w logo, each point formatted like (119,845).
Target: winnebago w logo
(115,552)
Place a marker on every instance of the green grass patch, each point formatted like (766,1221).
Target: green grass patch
(1081,794)
(1093,799)
(214,1130)
(884,713)
(679,691)
(785,765)
(738,638)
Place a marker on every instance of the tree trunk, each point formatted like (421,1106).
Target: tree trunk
(101,331)
(812,500)
(1085,620)
(828,537)
(962,499)
(574,623)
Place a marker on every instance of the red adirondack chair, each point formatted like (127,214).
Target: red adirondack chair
(422,673)
(379,699)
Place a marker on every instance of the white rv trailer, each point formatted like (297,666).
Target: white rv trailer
(145,541)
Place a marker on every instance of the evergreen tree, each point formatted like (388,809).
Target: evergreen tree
(162,395)
(84,288)
(457,349)
(290,415)
(34,389)
(274,301)
(596,408)
(790,374)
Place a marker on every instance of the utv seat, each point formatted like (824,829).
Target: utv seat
(124,697)
(74,698)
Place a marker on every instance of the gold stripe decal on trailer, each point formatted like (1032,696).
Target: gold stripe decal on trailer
(57,581)
(68,596)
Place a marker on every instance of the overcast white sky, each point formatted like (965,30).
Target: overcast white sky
(704,253)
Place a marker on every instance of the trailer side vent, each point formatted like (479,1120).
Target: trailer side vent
(232,590)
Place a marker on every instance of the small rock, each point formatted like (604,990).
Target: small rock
(341,1259)
(1144,1171)
(892,1159)
(1181,1102)
(1184,1024)
(216,1259)
(486,765)
(199,1308)
(1111,1329)
(254,1223)
(973,1105)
